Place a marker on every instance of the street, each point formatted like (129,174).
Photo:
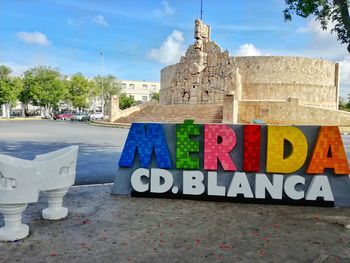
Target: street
(99,152)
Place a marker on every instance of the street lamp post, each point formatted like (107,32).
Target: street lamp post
(102,97)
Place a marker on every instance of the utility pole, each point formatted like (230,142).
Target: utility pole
(102,97)
(201,9)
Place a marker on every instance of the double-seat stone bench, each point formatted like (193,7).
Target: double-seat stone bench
(22,180)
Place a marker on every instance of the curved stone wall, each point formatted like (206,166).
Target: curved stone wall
(167,74)
(312,81)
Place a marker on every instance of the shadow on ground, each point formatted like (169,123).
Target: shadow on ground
(96,163)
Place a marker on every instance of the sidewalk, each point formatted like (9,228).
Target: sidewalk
(21,118)
(105,228)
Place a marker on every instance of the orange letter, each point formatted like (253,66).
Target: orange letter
(328,152)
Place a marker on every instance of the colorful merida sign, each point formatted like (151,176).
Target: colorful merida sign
(284,164)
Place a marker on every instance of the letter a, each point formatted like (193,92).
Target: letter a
(328,152)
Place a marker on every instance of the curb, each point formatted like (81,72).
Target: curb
(21,119)
(110,125)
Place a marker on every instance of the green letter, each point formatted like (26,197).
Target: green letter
(185,146)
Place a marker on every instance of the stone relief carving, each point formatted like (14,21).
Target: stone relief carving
(204,75)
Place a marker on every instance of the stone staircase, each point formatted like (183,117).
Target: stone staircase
(210,113)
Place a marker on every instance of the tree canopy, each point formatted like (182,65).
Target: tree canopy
(325,11)
(48,88)
(155,96)
(125,101)
(80,90)
(10,88)
(45,86)
(109,86)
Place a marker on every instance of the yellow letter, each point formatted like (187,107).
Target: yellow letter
(276,163)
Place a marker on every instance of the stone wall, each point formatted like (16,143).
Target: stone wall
(167,74)
(289,112)
(118,113)
(312,81)
(175,114)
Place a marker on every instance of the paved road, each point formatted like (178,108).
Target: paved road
(100,147)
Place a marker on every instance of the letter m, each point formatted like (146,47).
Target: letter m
(144,138)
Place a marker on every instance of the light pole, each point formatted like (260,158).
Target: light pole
(102,98)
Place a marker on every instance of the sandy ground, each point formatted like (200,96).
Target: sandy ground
(106,228)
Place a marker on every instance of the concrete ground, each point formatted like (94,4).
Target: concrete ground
(105,228)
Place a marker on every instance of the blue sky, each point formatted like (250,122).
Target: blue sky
(138,38)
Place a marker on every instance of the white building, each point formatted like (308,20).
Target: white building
(140,90)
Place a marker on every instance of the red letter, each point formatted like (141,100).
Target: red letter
(251,156)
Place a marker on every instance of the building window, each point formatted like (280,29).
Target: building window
(131,86)
(144,98)
(123,86)
(153,86)
(144,86)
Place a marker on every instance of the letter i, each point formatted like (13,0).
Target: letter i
(251,155)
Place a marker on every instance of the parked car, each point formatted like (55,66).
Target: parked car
(80,117)
(96,116)
(63,116)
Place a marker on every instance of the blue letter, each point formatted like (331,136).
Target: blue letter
(145,142)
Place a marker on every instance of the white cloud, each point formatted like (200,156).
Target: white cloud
(100,20)
(171,49)
(248,50)
(165,10)
(36,37)
(323,44)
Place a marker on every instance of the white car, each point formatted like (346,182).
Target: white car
(96,116)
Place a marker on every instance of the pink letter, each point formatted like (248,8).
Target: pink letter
(219,140)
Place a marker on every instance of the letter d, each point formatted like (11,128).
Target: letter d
(276,162)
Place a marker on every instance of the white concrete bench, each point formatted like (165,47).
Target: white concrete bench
(57,172)
(20,183)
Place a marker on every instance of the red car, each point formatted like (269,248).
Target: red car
(63,116)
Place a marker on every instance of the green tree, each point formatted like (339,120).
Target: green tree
(155,96)
(325,11)
(108,86)
(25,98)
(80,90)
(125,101)
(10,87)
(343,105)
(45,87)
